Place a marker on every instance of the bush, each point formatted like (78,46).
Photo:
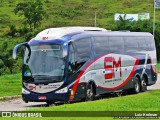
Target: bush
(24,30)
(4,18)
(1,63)
(28,36)
(7,70)
(12,30)
(2,71)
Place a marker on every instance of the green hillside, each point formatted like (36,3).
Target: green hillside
(76,12)
(68,13)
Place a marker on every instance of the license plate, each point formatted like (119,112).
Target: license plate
(42,97)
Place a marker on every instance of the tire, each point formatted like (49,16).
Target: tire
(90,94)
(136,88)
(143,84)
(50,103)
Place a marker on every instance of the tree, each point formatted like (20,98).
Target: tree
(33,13)
(12,30)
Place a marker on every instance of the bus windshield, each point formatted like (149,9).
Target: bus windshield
(45,61)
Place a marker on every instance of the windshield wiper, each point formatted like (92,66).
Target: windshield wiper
(39,75)
(42,76)
(47,77)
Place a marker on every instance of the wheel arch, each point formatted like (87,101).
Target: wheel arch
(146,77)
(92,82)
(136,85)
(138,76)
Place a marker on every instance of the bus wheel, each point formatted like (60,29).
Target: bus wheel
(143,84)
(136,88)
(50,103)
(90,94)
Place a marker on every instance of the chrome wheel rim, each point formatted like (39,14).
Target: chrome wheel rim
(89,93)
(143,83)
(137,86)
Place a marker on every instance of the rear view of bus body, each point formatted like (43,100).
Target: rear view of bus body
(75,63)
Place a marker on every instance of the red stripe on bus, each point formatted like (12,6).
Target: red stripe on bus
(74,88)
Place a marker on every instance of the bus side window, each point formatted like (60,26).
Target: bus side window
(82,51)
(131,44)
(116,44)
(101,46)
(71,63)
(150,43)
(141,44)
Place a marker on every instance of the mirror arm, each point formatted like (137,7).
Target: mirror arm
(14,55)
(65,49)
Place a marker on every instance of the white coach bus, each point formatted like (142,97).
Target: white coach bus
(75,63)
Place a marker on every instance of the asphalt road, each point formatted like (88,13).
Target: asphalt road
(19,105)
(155,86)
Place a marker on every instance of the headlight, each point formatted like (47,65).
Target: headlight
(24,91)
(63,90)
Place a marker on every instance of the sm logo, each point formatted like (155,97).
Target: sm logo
(112,68)
(32,87)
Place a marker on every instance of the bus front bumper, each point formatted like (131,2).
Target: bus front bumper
(45,97)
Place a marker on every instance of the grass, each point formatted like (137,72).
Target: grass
(158,67)
(10,85)
(148,101)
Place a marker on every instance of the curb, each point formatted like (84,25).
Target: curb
(6,98)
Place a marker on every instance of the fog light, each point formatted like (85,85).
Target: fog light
(63,90)
(24,91)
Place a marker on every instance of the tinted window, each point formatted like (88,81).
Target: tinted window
(141,44)
(150,43)
(71,64)
(101,45)
(83,49)
(116,44)
(133,44)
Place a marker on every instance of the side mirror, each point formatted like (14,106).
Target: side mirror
(14,55)
(65,50)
